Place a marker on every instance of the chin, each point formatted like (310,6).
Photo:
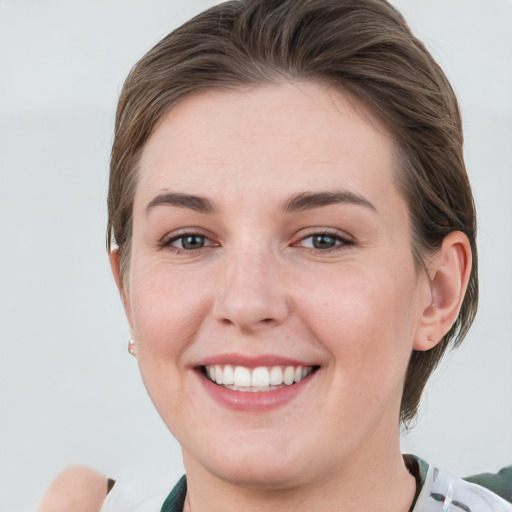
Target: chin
(261,472)
(261,459)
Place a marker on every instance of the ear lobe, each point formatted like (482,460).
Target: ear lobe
(115,265)
(447,280)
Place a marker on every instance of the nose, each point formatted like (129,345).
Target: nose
(252,296)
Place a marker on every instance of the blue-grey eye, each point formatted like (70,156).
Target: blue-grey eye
(190,242)
(323,241)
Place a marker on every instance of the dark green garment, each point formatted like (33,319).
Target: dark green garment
(499,483)
(175,501)
(418,469)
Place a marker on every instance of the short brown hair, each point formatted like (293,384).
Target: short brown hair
(363,47)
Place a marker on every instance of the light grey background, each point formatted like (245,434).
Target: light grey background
(69,392)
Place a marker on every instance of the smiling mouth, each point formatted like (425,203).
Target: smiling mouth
(262,378)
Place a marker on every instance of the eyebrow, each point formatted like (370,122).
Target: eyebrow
(310,200)
(197,203)
(297,203)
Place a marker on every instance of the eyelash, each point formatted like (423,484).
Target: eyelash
(341,242)
(167,242)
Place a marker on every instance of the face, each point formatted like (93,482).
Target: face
(272,291)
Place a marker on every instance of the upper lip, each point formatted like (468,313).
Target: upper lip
(252,361)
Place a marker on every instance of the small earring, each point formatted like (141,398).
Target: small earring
(131,348)
(429,338)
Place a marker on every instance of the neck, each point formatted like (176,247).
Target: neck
(379,481)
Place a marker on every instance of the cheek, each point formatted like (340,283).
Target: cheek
(364,318)
(167,309)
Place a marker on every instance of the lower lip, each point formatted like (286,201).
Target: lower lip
(254,401)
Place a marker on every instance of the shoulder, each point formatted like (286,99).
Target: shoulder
(141,495)
(77,488)
(499,483)
(442,491)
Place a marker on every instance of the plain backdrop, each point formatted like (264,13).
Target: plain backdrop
(69,392)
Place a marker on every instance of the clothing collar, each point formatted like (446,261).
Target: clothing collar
(416,466)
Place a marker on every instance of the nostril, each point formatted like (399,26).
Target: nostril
(252,325)
(248,311)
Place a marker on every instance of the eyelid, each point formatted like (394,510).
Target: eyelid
(342,238)
(167,241)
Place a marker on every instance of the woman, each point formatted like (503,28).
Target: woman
(295,250)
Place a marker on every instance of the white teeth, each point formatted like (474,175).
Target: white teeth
(219,374)
(276,376)
(229,375)
(242,377)
(260,378)
(289,373)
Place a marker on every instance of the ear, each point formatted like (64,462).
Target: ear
(115,265)
(445,284)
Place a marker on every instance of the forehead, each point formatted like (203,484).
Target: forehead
(287,137)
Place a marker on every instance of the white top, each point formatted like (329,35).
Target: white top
(134,497)
(441,492)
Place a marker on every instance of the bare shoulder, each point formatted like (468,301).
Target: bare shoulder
(77,488)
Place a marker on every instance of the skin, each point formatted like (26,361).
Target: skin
(77,488)
(259,286)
